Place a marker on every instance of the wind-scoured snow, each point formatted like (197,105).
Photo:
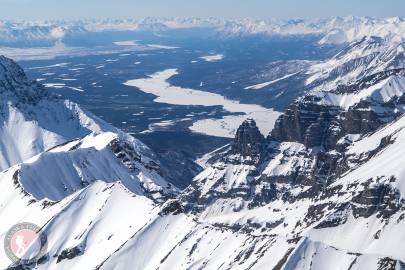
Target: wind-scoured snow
(55,123)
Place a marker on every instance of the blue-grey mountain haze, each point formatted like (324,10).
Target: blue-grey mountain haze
(261,9)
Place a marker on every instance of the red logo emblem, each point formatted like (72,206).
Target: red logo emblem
(25,243)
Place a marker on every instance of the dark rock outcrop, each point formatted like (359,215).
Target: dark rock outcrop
(171,207)
(13,81)
(69,254)
(248,141)
(305,122)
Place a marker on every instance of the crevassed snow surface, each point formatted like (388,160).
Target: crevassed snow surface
(158,85)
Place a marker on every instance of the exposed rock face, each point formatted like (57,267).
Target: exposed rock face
(318,135)
(248,140)
(172,207)
(305,122)
(245,153)
(313,123)
(69,254)
(325,127)
(14,82)
(380,199)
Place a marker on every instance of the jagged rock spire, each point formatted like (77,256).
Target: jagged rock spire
(248,140)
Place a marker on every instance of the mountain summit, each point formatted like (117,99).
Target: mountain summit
(248,141)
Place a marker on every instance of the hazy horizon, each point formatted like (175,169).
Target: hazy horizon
(196,17)
(228,9)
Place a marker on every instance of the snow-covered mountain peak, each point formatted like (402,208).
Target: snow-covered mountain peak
(361,59)
(382,92)
(108,157)
(35,121)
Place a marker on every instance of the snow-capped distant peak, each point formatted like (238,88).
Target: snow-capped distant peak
(335,30)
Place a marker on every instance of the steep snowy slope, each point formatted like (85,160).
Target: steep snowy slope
(72,174)
(356,222)
(89,195)
(86,226)
(32,120)
(360,59)
(81,162)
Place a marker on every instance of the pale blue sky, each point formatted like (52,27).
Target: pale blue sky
(72,9)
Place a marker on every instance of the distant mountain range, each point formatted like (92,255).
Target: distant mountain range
(335,30)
